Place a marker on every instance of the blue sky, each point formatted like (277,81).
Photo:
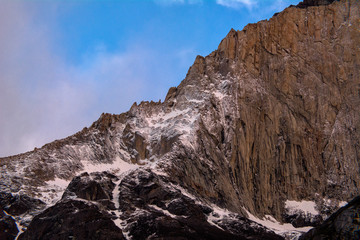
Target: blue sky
(63,63)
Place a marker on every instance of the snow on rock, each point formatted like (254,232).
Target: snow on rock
(333,203)
(116,192)
(177,122)
(342,204)
(118,166)
(306,207)
(218,214)
(53,190)
(165,212)
(303,213)
(286,230)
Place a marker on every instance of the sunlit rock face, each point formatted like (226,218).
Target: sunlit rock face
(264,130)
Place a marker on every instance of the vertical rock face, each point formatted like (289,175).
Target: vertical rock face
(269,118)
(291,128)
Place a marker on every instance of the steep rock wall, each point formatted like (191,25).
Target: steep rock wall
(289,129)
(271,115)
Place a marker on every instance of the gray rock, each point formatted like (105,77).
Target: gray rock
(343,224)
(72,219)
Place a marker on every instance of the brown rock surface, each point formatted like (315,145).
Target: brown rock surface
(292,131)
(271,115)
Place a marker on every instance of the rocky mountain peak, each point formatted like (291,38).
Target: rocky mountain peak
(262,131)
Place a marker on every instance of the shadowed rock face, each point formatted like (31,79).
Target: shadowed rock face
(153,206)
(8,228)
(92,187)
(271,115)
(343,224)
(72,219)
(16,204)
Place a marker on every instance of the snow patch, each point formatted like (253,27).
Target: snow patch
(116,193)
(184,192)
(218,214)
(307,207)
(286,230)
(334,203)
(166,212)
(342,204)
(53,190)
(62,183)
(118,166)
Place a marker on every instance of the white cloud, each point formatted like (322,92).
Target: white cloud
(237,4)
(38,95)
(43,97)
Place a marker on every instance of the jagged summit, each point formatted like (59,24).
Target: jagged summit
(264,130)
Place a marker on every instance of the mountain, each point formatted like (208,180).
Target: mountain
(259,141)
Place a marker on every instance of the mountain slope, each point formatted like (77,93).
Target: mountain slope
(267,119)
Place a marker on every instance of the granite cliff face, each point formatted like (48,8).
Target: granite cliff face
(297,135)
(264,130)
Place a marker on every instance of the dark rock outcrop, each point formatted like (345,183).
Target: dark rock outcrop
(73,219)
(300,220)
(16,204)
(93,187)
(343,224)
(154,208)
(8,228)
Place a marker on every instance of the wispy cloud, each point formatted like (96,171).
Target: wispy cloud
(39,97)
(43,97)
(237,4)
